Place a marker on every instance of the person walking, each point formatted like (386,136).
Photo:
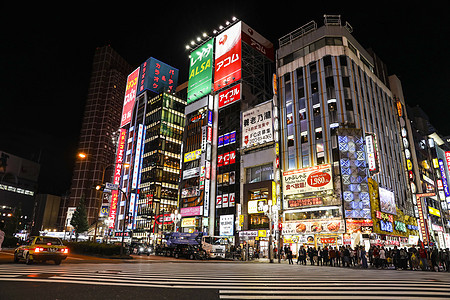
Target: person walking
(435,259)
(346,257)
(319,257)
(382,258)
(332,254)
(289,256)
(363,258)
(423,258)
(2,234)
(325,256)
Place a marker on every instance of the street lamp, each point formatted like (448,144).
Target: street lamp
(175,218)
(268,212)
(98,187)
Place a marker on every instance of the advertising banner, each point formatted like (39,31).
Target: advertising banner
(310,227)
(117,177)
(228,57)
(193,155)
(157,76)
(387,201)
(200,72)
(257,126)
(312,179)
(230,95)
(226,225)
(191,211)
(257,41)
(130,97)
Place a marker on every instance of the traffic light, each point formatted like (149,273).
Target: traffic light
(280,226)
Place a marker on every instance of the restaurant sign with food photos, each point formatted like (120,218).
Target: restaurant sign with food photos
(310,227)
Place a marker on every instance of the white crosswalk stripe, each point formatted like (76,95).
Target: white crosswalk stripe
(236,281)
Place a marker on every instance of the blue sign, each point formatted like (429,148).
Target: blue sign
(444,178)
(157,76)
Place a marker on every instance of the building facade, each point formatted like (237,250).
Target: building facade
(236,66)
(98,131)
(339,132)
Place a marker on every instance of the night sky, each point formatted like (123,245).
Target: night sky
(46,58)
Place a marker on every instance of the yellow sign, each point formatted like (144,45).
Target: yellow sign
(434,211)
(241,220)
(188,222)
(262,233)
(193,155)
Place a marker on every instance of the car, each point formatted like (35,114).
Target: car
(41,248)
(140,248)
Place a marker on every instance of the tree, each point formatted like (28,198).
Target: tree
(79,219)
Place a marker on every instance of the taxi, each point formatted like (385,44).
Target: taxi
(41,248)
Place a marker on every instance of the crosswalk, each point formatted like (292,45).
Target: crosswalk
(242,281)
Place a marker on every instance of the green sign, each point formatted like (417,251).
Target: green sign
(200,72)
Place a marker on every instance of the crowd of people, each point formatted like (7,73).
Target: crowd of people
(380,257)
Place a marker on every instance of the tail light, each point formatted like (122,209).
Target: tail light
(65,250)
(38,249)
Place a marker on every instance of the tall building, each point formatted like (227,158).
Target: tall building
(151,131)
(230,75)
(18,188)
(344,179)
(98,132)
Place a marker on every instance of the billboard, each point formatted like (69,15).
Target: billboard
(130,98)
(117,176)
(230,95)
(157,77)
(257,126)
(227,67)
(257,42)
(312,179)
(200,72)
(387,201)
(312,227)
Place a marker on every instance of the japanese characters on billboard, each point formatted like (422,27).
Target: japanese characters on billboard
(312,179)
(257,42)
(257,126)
(157,76)
(120,158)
(230,95)
(200,72)
(130,97)
(227,68)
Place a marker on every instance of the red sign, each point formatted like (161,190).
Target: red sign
(226,158)
(130,97)
(230,95)
(220,160)
(331,240)
(319,179)
(228,57)
(117,176)
(166,220)
(232,157)
(305,202)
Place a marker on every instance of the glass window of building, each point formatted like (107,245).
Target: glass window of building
(260,173)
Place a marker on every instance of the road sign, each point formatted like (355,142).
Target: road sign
(111,186)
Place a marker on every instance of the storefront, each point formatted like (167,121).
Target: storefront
(257,242)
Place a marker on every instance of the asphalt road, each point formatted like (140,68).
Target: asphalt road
(162,278)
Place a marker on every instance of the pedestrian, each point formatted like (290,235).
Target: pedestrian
(319,257)
(396,257)
(423,258)
(371,255)
(363,258)
(310,256)
(403,258)
(435,259)
(332,254)
(325,256)
(2,234)
(376,257)
(448,259)
(414,261)
(289,256)
(346,254)
(382,258)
